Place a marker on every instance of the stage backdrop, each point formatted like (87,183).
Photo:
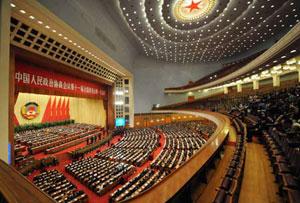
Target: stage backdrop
(46,108)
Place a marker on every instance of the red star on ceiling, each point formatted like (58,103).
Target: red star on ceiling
(193,6)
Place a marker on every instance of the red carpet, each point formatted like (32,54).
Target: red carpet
(93,197)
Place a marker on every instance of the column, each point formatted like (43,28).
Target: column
(5,149)
(255,84)
(276,80)
(225,90)
(131,102)
(239,87)
(298,74)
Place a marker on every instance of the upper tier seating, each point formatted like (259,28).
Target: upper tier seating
(277,117)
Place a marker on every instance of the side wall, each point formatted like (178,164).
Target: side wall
(151,77)
(82,110)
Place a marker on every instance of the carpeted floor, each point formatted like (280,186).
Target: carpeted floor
(93,197)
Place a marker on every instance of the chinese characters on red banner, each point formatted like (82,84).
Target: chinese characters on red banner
(27,75)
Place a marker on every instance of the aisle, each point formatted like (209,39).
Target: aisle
(258,183)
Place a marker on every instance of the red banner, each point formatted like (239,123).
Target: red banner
(34,77)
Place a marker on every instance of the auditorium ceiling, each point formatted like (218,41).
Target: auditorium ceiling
(191,31)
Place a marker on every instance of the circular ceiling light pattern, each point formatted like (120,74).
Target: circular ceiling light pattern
(229,29)
(192,10)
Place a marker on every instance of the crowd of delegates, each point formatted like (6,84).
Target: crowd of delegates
(31,164)
(183,139)
(99,175)
(59,188)
(118,163)
(279,107)
(111,166)
(135,147)
(52,138)
(138,184)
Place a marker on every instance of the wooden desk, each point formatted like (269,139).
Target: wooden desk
(17,189)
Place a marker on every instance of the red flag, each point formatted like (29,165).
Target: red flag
(58,111)
(53,110)
(47,114)
(68,109)
(63,110)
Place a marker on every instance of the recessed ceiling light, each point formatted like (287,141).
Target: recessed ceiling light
(22,11)
(12,5)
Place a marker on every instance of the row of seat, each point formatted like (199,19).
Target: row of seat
(183,139)
(229,189)
(80,152)
(170,159)
(33,164)
(140,134)
(285,161)
(137,144)
(98,174)
(277,115)
(135,147)
(138,184)
(59,188)
(196,128)
(184,143)
(41,136)
(41,140)
(71,141)
(132,156)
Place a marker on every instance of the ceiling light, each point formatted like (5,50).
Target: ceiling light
(22,11)
(278,67)
(286,67)
(12,5)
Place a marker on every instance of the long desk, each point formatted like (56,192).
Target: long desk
(170,185)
